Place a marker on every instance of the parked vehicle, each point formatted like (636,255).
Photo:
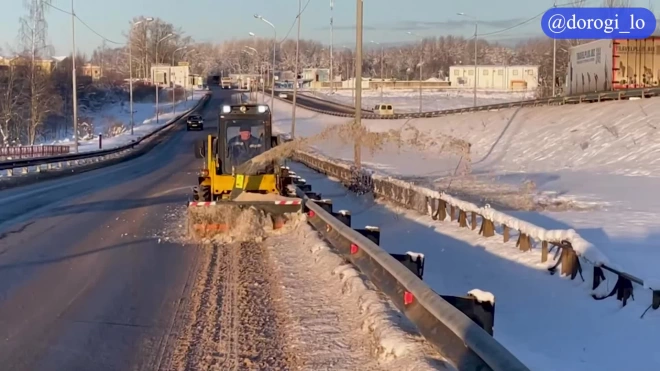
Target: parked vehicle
(384,109)
(606,65)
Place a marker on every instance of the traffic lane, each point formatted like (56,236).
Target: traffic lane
(84,285)
(104,299)
(17,204)
(321,104)
(42,209)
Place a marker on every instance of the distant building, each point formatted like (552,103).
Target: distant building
(316,74)
(495,77)
(45,65)
(92,71)
(168,76)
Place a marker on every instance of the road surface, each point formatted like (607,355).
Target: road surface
(87,279)
(317,103)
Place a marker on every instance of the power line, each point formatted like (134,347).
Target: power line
(294,22)
(83,23)
(528,20)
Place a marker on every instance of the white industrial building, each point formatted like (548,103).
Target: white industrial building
(495,77)
(166,75)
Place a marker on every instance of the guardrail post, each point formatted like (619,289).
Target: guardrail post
(655,304)
(10,172)
(487,227)
(344,216)
(370,232)
(100,141)
(480,311)
(313,195)
(413,261)
(38,169)
(326,205)
(24,170)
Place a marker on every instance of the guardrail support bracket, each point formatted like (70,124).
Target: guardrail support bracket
(312,195)
(481,313)
(343,216)
(413,261)
(370,232)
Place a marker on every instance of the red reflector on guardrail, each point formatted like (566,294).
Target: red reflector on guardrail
(311,213)
(354,248)
(407,298)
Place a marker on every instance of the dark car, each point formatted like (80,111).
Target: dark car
(195,122)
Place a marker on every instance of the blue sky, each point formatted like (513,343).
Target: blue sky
(217,20)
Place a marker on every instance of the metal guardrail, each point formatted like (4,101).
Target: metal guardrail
(434,204)
(340,107)
(24,163)
(457,336)
(573,99)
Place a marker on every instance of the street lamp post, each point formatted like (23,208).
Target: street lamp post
(382,59)
(186,81)
(357,149)
(256,54)
(272,89)
(173,82)
(154,75)
(130,66)
(295,77)
(74,87)
(332,42)
(476,76)
(262,72)
(420,64)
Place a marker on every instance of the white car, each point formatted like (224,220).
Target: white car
(282,95)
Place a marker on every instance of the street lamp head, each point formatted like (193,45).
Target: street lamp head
(257,16)
(252,34)
(460,13)
(149,19)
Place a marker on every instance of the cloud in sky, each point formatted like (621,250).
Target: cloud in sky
(434,25)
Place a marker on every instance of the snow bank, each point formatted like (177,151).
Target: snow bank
(582,248)
(375,322)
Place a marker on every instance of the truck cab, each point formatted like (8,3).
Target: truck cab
(244,132)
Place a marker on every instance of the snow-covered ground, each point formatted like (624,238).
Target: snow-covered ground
(594,167)
(432,100)
(114,122)
(548,323)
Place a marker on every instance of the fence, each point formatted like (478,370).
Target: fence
(7,153)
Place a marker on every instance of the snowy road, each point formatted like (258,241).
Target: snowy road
(94,276)
(85,281)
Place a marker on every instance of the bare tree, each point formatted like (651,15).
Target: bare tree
(39,93)
(10,104)
(617,3)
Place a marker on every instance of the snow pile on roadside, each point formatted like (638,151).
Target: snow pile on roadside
(340,321)
(592,168)
(114,122)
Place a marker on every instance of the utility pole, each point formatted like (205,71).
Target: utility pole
(357,149)
(554,60)
(295,78)
(332,42)
(421,64)
(382,66)
(73,80)
(476,76)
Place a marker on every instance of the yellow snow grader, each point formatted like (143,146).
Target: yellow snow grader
(238,173)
